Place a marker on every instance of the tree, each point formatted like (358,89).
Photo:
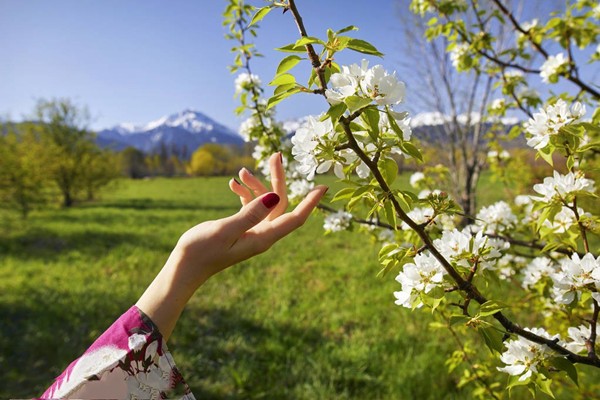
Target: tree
(24,177)
(133,163)
(203,163)
(457,102)
(72,146)
(525,277)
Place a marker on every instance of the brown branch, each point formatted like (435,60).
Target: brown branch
(573,73)
(378,223)
(591,343)
(582,229)
(470,290)
(312,55)
(532,245)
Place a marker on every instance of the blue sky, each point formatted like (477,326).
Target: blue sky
(135,61)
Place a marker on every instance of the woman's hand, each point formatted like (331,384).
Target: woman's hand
(212,246)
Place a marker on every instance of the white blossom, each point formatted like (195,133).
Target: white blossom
(537,269)
(574,275)
(522,356)
(498,104)
(416,178)
(564,220)
(495,155)
(419,215)
(559,186)
(549,120)
(596,11)
(461,246)
(359,80)
(513,74)
(551,66)
(382,87)
(457,53)
(401,119)
(496,218)
(522,200)
(421,276)
(528,25)
(245,81)
(578,337)
(337,221)
(299,188)
(506,265)
(305,144)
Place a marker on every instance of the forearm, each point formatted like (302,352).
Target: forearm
(165,298)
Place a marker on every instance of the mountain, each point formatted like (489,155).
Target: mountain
(182,132)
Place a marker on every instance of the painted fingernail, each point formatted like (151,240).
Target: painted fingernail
(236,181)
(270,200)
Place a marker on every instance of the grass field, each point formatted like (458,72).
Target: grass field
(307,320)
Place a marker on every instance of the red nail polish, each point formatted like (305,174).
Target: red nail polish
(270,200)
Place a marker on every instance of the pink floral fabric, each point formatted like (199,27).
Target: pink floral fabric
(128,361)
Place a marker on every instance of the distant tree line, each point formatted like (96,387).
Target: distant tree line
(54,159)
(211,159)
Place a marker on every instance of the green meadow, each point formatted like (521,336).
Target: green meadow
(309,319)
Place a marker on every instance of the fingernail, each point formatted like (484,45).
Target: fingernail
(248,171)
(280,157)
(236,181)
(270,200)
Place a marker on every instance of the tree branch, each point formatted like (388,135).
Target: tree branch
(312,55)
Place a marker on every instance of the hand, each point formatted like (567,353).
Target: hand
(212,246)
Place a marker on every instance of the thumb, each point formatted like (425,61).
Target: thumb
(253,213)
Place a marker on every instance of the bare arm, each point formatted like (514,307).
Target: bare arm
(212,246)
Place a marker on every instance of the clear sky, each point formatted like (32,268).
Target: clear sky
(135,61)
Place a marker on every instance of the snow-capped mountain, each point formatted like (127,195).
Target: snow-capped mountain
(184,131)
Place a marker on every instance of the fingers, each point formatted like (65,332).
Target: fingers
(250,215)
(265,236)
(242,191)
(278,184)
(253,183)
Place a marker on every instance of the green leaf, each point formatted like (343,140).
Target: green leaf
(283,79)
(459,319)
(283,88)
(291,48)
(345,193)
(563,364)
(390,213)
(491,307)
(544,384)
(546,155)
(371,117)
(303,41)
(288,63)
(389,170)
(364,47)
(336,111)
(277,98)
(412,150)
(492,338)
(260,14)
(347,29)
(513,381)
(355,103)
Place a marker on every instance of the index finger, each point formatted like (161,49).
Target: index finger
(287,223)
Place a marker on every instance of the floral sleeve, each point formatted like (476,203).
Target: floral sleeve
(128,361)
